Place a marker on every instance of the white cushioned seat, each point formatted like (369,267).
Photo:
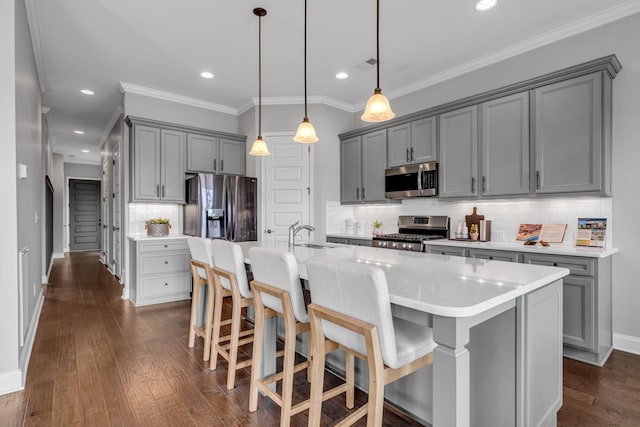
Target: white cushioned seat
(228,256)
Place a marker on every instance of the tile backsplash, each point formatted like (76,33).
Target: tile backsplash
(506,215)
(140,212)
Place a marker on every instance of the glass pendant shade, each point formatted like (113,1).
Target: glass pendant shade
(305,133)
(259,148)
(378,108)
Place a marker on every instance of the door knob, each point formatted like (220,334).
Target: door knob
(269,231)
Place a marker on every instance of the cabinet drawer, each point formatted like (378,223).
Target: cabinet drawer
(169,263)
(446,250)
(494,255)
(340,240)
(163,245)
(165,285)
(577,266)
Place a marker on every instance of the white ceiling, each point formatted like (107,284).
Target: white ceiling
(164,45)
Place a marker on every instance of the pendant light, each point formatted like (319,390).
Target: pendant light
(378,108)
(259,147)
(305,133)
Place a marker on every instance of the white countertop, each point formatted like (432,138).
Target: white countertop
(552,249)
(438,284)
(351,236)
(140,237)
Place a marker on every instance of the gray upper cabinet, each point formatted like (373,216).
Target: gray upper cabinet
(232,157)
(414,142)
(459,153)
(363,160)
(350,169)
(505,146)
(158,164)
(172,165)
(568,136)
(202,153)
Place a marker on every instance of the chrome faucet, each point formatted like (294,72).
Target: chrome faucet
(293,230)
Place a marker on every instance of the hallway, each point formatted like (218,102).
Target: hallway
(98,361)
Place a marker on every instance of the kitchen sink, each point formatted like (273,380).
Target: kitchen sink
(313,246)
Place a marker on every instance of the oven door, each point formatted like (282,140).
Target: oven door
(402,182)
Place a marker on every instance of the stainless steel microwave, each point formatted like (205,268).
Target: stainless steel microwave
(411,181)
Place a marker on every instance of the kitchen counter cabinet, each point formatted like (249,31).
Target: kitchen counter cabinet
(363,160)
(160,270)
(414,142)
(232,157)
(212,154)
(349,240)
(458,147)
(446,250)
(494,255)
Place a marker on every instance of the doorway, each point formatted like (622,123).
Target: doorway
(286,187)
(85,221)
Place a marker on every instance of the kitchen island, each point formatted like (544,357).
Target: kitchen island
(498,327)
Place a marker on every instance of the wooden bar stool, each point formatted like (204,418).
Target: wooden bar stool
(230,279)
(351,308)
(277,291)
(201,261)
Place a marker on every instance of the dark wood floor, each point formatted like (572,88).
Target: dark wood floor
(97,361)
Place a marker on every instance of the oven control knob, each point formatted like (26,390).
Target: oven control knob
(382,244)
(404,246)
(394,244)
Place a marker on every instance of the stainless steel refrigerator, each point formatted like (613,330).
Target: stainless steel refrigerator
(221,207)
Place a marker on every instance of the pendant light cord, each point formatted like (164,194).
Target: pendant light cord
(305,59)
(260,76)
(378,44)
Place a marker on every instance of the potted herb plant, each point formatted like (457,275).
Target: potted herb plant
(376,227)
(473,232)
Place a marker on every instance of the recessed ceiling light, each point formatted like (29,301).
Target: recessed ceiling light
(79,132)
(88,92)
(85,151)
(206,75)
(484,5)
(342,75)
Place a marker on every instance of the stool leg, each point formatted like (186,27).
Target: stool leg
(208,323)
(233,344)
(317,383)
(375,403)
(195,299)
(256,357)
(217,319)
(287,371)
(349,379)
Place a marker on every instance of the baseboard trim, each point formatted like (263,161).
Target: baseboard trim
(11,381)
(57,255)
(25,355)
(627,343)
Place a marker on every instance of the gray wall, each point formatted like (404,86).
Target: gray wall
(9,368)
(620,37)
(57,180)
(77,170)
(172,112)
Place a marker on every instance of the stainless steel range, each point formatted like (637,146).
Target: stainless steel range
(412,231)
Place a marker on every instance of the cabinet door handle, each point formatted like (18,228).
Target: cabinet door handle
(407,154)
(158,190)
(362,193)
(214,164)
(537,180)
(166,284)
(484,183)
(163,191)
(412,154)
(222,164)
(166,262)
(473,185)
(358,193)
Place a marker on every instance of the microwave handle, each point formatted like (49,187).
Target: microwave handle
(420,179)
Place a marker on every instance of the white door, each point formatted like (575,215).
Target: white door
(106,185)
(115,178)
(286,188)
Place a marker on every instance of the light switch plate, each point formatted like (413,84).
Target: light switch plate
(22,170)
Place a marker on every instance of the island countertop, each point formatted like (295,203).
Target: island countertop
(437,284)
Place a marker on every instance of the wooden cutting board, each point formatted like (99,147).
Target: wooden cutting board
(474,218)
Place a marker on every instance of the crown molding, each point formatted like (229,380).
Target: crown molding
(75,160)
(613,14)
(112,121)
(173,97)
(36,40)
(299,100)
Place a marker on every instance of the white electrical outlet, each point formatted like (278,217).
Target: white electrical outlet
(497,236)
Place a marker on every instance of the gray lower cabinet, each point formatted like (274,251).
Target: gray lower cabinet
(206,153)
(157,164)
(587,305)
(504,142)
(458,148)
(414,142)
(494,255)
(349,241)
(446,250)
(569,139)
(160,271)
(363,160)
